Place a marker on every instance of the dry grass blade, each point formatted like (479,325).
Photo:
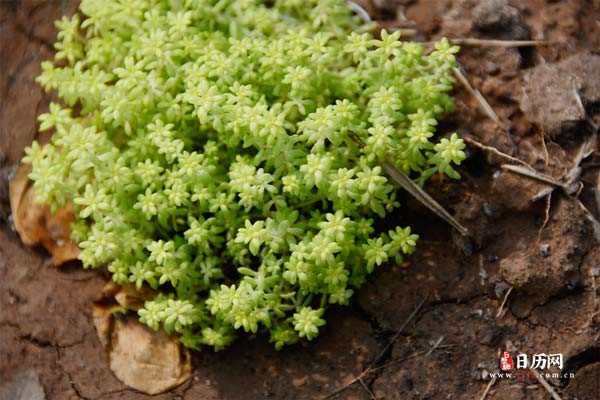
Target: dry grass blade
(596,190)
(592,219)
(360,11)
(546,385)
(495,151)
(399,332)
(435,346)
(533,174)
(487,388)
(399,360)
(501,308)
(421,195)
(498,43)
(585,150)
(380,355)
(483,104)
(364,386)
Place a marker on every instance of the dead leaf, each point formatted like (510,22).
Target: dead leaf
(148,361)
(36,224)
(102,318)
(114,298)
(145,360)
(127,296)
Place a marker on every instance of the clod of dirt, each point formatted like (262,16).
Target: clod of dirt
(542,278)
(515,192)
(498,17)
(551,101)
(148,361)
(23,386)
(556,95)
(36,224)
(585,384)
(586,68)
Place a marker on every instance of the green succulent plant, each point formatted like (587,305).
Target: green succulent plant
(227,154)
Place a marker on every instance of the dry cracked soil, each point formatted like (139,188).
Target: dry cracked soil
(527,238)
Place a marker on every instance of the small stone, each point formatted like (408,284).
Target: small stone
(586,68)
(544,250)
(490,210)
(550,100)
(499,17)
(492,258)
(556,96)
(500,289)
(23,386)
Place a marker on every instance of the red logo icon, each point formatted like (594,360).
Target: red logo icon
(506,362)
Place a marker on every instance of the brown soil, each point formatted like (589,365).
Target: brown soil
(48,346)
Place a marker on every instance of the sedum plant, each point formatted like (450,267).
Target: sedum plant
(227,153)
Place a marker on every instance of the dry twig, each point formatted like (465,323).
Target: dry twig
(546,385)
(371,368)
(488,387)
(360,11)
(364,385)
(495,151)
(532,173)
(483,104)
(501,308)
(546,214)
(435,346)
(590,217)
(498,43)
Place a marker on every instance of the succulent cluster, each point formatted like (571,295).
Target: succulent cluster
(227,153)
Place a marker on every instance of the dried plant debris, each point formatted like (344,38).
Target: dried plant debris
(36,224)
(149,361)
(128,296)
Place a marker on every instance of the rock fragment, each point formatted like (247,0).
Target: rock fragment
(24,385)
(500,19)
(557,97)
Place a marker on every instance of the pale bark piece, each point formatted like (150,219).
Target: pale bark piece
(148,361)
(127,296)
(115,297)
(36,224)
(103,320)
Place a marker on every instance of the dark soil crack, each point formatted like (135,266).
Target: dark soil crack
(39,342)
(452,301)
(72,383)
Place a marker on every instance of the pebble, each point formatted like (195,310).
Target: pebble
(24,385)
(544,250)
